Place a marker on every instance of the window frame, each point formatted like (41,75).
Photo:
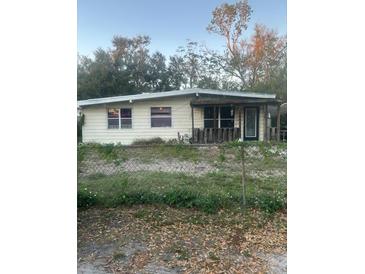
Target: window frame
(226,119)
(121,118)
(108,119)
(119,109)
(215,113)
(160,116)
(219,118)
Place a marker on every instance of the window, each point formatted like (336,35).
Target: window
(160,116)
(210,116)
(113,118)
(125,118)
(227,117)
(222,116)
(119,118)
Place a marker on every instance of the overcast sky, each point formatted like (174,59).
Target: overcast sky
(169,23)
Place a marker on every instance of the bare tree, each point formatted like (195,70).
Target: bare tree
(230,21)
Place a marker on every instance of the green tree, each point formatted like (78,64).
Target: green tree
(157,73)
(96,77)
(131,55)
(175,72)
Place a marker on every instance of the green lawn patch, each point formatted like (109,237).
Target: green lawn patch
(208,193)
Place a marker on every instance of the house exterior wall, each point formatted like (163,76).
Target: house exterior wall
(95,127)
(198,117)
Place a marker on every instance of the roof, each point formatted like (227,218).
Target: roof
(197,91)
(273,109)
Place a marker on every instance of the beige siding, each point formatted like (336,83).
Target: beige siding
(261,123)
(96,129)
(198,117)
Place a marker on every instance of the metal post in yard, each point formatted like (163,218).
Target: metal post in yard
(243,175)
(192,123)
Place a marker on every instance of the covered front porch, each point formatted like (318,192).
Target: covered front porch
(218,120)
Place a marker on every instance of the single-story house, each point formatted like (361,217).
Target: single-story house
(204,115)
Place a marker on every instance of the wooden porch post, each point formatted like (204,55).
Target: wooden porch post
(243,122)
(239,121)
(265,123)
(278,123)
(215,124)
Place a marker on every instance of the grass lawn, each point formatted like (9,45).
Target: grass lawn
(210,191)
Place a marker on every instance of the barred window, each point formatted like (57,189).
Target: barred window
(119,118)
(160,116)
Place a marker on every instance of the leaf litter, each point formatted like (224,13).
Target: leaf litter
(160,239)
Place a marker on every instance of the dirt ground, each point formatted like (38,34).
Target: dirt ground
(208,162)
(150,239)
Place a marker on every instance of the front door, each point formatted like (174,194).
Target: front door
(251,127)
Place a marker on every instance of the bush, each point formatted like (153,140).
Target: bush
(152,141)
(268,202)
(86,199)
(210,193)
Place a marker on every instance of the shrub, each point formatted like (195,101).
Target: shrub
(81,152)
(180,198)
(172,142)
(268,202)
(86,199)
(107,151)
(209,203)
(152,141)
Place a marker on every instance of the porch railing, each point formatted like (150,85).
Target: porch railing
(215,135)
(283,134)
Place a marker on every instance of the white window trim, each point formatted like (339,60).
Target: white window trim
(107,119)
(119,118)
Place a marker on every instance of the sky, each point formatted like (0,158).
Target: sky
(169,23)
